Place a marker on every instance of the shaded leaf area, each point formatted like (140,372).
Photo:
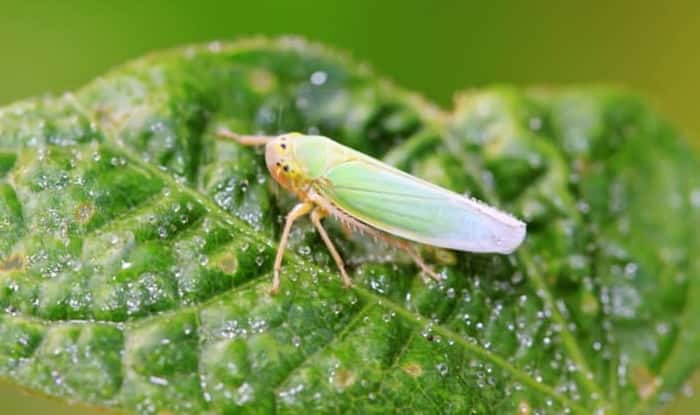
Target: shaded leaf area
(136,247)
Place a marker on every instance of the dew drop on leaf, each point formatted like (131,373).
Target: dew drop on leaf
(442,369)
(318,78)
(244,394)
(695,198)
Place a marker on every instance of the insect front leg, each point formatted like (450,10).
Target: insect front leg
(246,140)
(316,217)
(298,211)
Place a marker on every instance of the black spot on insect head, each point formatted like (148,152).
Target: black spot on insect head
(286,168)
(283,145)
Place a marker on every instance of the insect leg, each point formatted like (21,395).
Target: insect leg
(298,211)
(316,217)
(350,222)
(418,259)
(246,140)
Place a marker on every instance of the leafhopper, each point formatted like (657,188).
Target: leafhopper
(369,196)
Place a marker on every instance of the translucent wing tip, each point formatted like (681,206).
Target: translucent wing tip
(507,232)
(510,238)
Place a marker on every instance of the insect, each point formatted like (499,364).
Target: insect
(367,195)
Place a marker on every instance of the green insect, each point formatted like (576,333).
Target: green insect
(367,195)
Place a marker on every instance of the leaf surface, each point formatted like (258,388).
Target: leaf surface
(136,248)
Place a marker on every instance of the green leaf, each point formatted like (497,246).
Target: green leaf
(136,248)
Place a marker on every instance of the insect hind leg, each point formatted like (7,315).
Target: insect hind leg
(417,259)
(427,269)
(349,224)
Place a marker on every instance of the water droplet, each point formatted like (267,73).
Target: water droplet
(687,390)
(427,332)
(57,378)
(158,381)
(583,206)
(296,341)
(631,270)
(214,46)
(577,261)
(244,394)
(662,329)
(257,325)
(117,161)
(288,396)
(319,78)
(442,369)
(467,298)
(377,285)
(695,198)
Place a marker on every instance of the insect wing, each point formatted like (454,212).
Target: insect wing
(403,205)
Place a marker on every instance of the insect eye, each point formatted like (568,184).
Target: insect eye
(283,145)
(278,164)
(286,167)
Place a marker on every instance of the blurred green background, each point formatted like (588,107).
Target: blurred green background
(433,47)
